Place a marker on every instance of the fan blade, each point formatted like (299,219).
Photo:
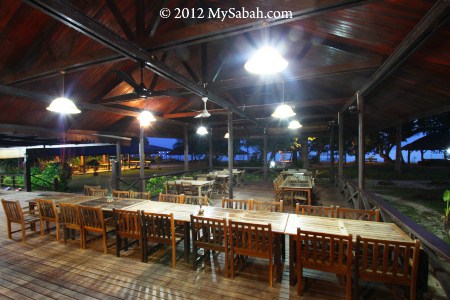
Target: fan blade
(127,78)
(199,116)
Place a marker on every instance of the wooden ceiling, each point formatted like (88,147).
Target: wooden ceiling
(396,53)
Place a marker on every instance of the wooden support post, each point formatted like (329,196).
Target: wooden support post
(304,151)
(26,172)
(186,149)
(361,145)
(230,154)
(119,159)
(341,143)
(265,167)
(398,149)
(141,160)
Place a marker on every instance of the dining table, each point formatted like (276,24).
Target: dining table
(294,184)
(366,229)
(199,184)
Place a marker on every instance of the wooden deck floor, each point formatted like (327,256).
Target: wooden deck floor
(43,268)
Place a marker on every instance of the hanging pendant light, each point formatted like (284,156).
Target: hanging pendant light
(62,104)
(227,135)
(266,61)
(202,130)
(283,111)
(145,117)
(294,124)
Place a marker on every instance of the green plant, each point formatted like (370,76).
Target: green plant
(156,185)
(95,164)
(446,217)
(44,178)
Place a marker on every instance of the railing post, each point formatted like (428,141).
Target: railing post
(26,173)
(13,181)
(55,184)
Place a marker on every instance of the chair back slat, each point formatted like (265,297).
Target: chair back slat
(236,204)
(261,205)
(171,198)
(357,214)
(121,194)
(69,214)
(311,210)
(251,239)
(141,195)
(99,192)
(88,189)
(47,209)
(127,223)
(92,218)
(209,233)
(196,200)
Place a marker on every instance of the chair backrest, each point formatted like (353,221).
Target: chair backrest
(251,239)
(92,218)
(187,178)
(209,233)
(188,189)
(88,188)
(141,195)
(171,198)
(99,192)
(311,210)
(121,194)
(202,177)
(387,261)
(171,187)
(13,211)
(158,228)
(69,215)
(235,204)
(261,205)
(47,210)
(127,223)
(357,214)
(179,188)
(196,200)
(323,251)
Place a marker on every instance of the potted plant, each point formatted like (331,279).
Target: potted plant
(446,217)
(94,164)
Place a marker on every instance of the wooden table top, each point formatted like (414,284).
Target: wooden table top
(117,203)
(367,229)
(278,220)
(195,183)
(291,182)
(181,212)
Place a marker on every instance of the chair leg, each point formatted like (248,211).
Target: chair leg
(270,272)
(227,263)
(195,256)
(118,244)
(348,292)
(23,232)
(299,280)
(42,227)
(232,265)
(105,243)
(9,230)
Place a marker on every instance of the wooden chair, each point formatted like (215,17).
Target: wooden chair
(16,214)
(311,210)
(357,214)
(159,229)
(276,187)
(250,239)
(99,192)
(188,189)
(203,177)
(69,215)
(121,194)
(324,252)
(48,213)
(196,200)
(171,198)
(388,262)
(93,221)
(261,205)
(128,226)
(88,188)
(178,188)
(171,187)
(236,204)
(211,235)
(187,178)
(141,195)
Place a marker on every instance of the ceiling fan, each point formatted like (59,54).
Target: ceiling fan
(139,89)
(204,113)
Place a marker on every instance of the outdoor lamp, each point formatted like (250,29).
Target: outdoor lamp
(145,118)
(294,124)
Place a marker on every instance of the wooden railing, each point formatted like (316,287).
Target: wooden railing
(14,182)
(438,251)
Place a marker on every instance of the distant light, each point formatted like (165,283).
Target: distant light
(227,135)
(448,150)
(272,164)
(266,61)
(294,124)
(202,130)
(283,111)
(64,106)
(145,118)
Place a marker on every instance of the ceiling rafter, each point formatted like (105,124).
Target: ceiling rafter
(120,19)
(191,35)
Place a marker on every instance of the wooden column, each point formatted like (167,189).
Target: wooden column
(332,146)
(230,154)
(141,160)
(119,159)
(398,149)
(26,172)
(341,143)
(186,149)
(265,167)
(361,144)
(304,151)
(210,149)
(83,163)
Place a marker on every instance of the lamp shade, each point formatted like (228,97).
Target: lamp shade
(202,130)
(283,111)
(64,106)
(227,135)
(294,124)
(145,118)
(266,61)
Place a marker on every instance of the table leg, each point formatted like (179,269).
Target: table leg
(292,256)
(187,241)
